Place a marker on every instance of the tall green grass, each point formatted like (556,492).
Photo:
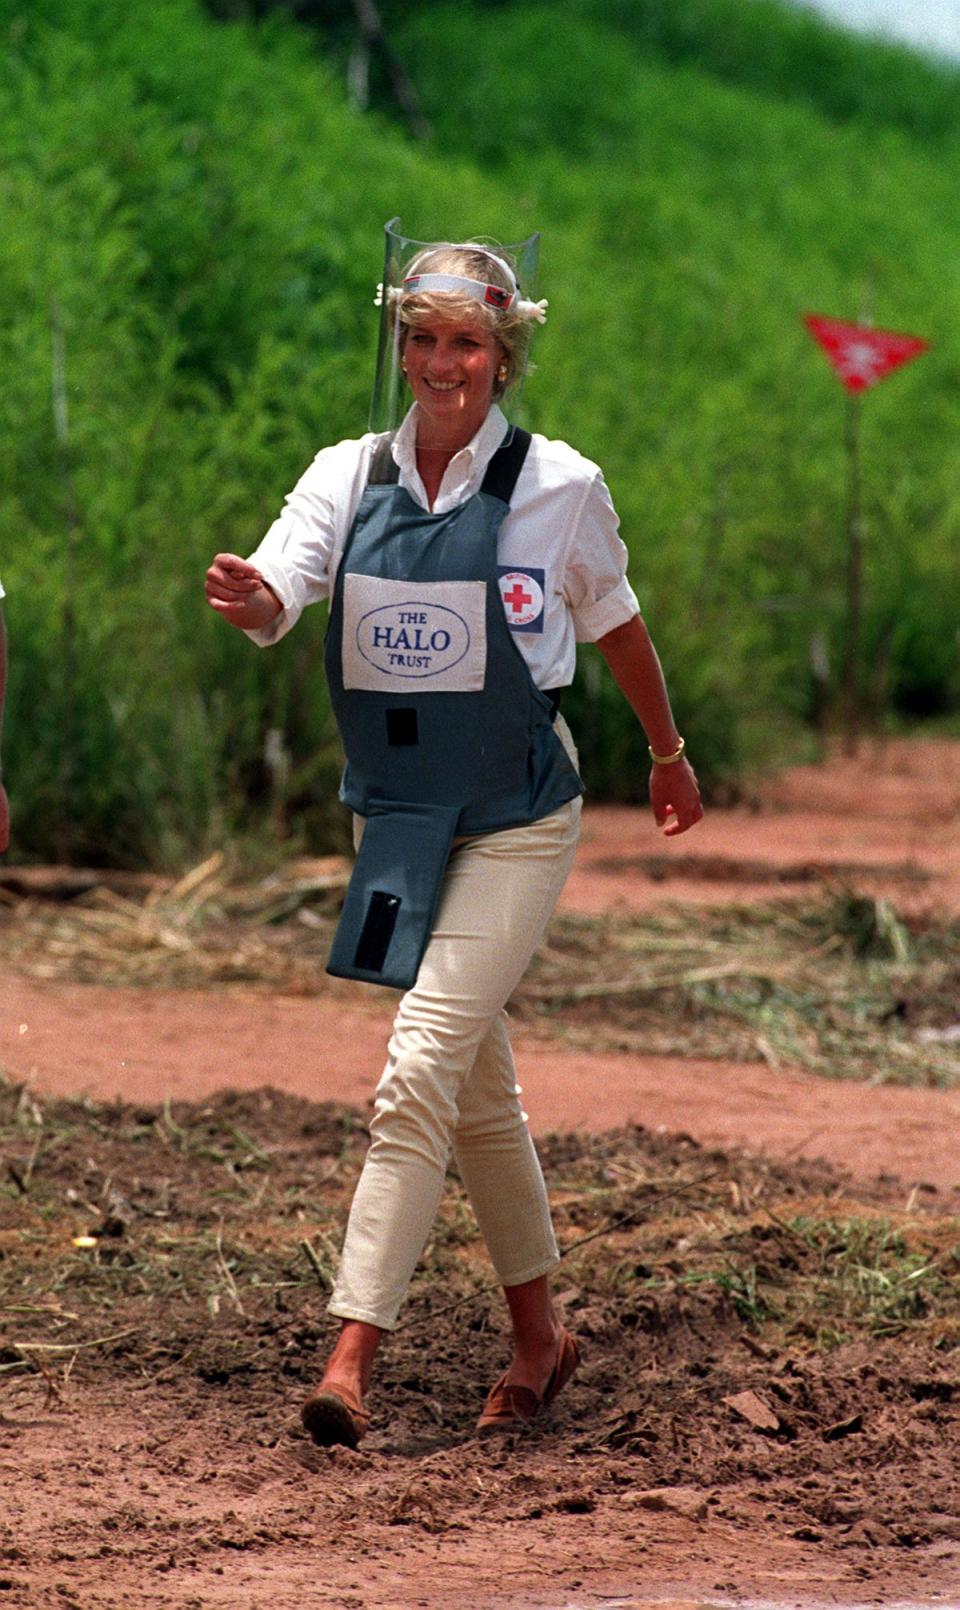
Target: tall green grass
(192,209)
(197,212)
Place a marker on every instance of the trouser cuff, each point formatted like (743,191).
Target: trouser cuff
(546,1266)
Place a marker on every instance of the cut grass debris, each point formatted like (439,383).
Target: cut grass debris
(839,984)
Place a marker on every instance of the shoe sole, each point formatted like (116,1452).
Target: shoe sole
(330,1421)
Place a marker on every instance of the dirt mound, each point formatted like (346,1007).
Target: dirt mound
(770,1392)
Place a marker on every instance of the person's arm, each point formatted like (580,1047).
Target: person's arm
(4,804)
(636,669)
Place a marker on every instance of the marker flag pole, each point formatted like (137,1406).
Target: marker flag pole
(861,357)
(854,611)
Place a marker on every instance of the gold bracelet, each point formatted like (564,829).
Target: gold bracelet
(666,760)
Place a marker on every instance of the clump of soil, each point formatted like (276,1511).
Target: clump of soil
(770,1392)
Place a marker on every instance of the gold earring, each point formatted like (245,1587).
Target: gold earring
(502,372)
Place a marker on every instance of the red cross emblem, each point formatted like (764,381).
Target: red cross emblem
(517,598)
(523,599)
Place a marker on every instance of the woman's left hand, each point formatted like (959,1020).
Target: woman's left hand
(675,797)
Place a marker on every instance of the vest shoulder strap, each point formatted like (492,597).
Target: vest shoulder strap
(504,468)
(384,469)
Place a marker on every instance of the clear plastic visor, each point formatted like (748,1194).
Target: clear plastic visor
(391,398)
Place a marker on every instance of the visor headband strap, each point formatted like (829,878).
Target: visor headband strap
(479,291)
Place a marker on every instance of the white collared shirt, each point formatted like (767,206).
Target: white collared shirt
(562,562)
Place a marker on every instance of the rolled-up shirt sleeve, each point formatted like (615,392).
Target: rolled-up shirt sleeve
(596,588)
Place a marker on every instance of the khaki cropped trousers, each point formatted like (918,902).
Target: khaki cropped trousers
(450,1084)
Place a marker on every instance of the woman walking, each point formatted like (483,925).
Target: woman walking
(463,560)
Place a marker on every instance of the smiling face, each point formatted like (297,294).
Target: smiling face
(451,366)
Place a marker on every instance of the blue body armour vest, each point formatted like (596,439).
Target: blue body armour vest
(444,729)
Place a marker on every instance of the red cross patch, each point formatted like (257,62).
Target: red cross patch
(522,592)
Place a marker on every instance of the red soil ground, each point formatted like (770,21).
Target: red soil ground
(123,1495)
(888,824)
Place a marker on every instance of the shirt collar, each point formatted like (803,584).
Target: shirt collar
(467,468)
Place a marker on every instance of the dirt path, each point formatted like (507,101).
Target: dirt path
(887,825)
(121,1044)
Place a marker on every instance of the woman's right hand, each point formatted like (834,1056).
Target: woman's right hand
(238,592)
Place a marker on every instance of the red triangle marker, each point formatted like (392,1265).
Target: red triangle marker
(860,354)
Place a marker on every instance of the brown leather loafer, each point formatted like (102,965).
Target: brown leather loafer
(509,1406)
(334,1416)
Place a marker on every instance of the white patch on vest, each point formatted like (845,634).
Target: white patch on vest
(397,633)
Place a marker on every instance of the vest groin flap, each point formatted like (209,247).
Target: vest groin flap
(392,897)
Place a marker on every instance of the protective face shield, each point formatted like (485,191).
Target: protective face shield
(390,395)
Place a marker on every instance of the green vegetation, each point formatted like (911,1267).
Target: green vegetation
(875,1271)
(191,213)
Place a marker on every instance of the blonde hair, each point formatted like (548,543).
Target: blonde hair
(470,261)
